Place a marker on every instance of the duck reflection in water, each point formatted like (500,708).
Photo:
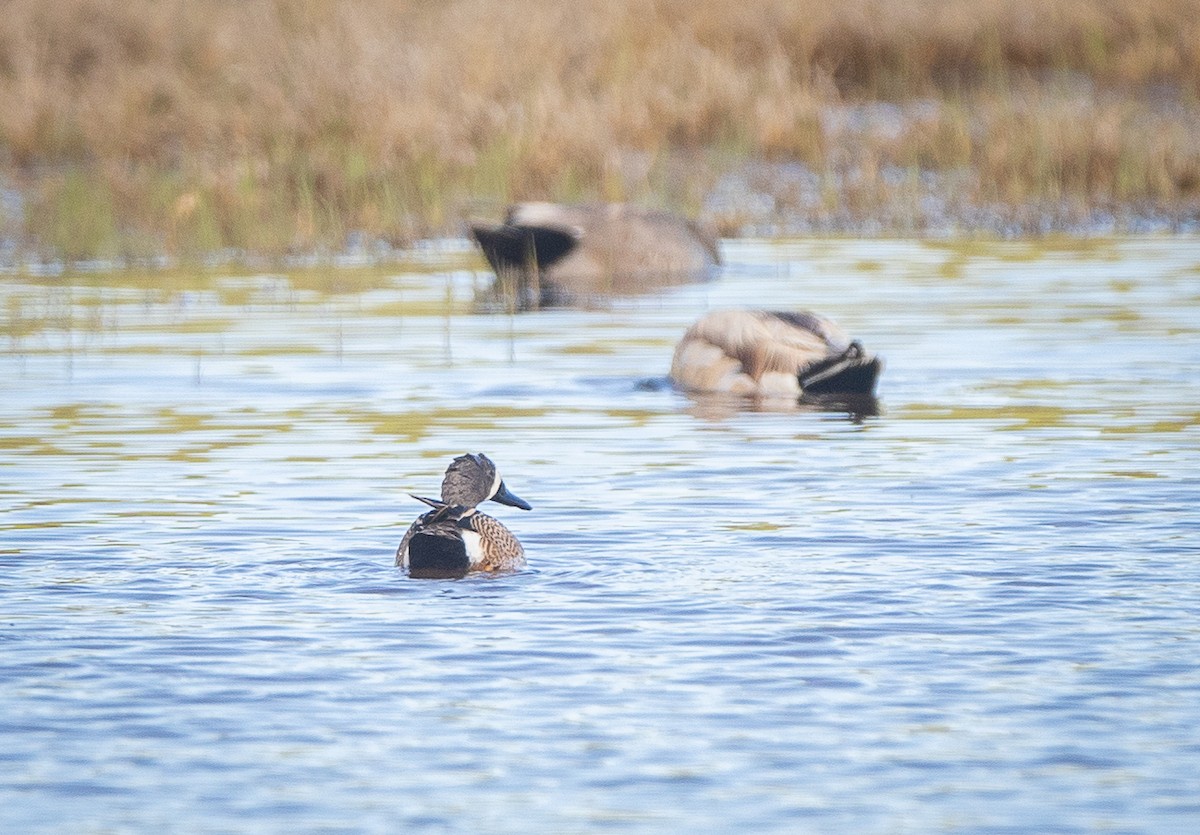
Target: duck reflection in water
(548,254)
(454,538)
(782,356)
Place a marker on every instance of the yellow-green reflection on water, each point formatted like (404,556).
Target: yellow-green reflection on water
(214,301)
(1008,417)
(1182,424)
(199,366)
(204,483)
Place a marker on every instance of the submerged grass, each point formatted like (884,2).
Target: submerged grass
(129,128)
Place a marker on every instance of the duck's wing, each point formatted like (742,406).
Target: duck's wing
(402,549)
(443,514)
(793,343)
(800,326)
(839,365)
(762,341)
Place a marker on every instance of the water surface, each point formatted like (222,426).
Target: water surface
(976,612)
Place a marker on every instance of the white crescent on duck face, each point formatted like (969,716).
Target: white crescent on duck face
(771,354)
(454,538)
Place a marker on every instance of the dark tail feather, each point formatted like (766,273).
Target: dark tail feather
(441,511)
(521,247)
(437,557)
(851,372)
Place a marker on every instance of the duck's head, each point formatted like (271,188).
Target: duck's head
(473,479)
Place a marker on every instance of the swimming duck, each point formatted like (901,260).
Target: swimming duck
(769,353)
(454,538)
(554,254)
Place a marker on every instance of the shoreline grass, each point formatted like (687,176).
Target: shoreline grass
(138,128)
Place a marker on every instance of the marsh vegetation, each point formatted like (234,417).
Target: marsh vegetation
(142,127)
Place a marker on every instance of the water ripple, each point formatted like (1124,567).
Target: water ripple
(975,611)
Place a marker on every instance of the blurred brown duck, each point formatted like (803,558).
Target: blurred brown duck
(772,354)
(552,254)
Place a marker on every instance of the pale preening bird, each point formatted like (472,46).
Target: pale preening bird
(454,538)
(550,253)
(769,353)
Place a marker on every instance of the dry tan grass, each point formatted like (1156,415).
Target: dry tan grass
(133,126)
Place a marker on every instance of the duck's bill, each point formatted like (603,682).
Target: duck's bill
(506,496)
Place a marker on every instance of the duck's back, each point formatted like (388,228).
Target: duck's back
(441,543)
(754,351)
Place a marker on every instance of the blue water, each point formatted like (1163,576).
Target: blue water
(976,612)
